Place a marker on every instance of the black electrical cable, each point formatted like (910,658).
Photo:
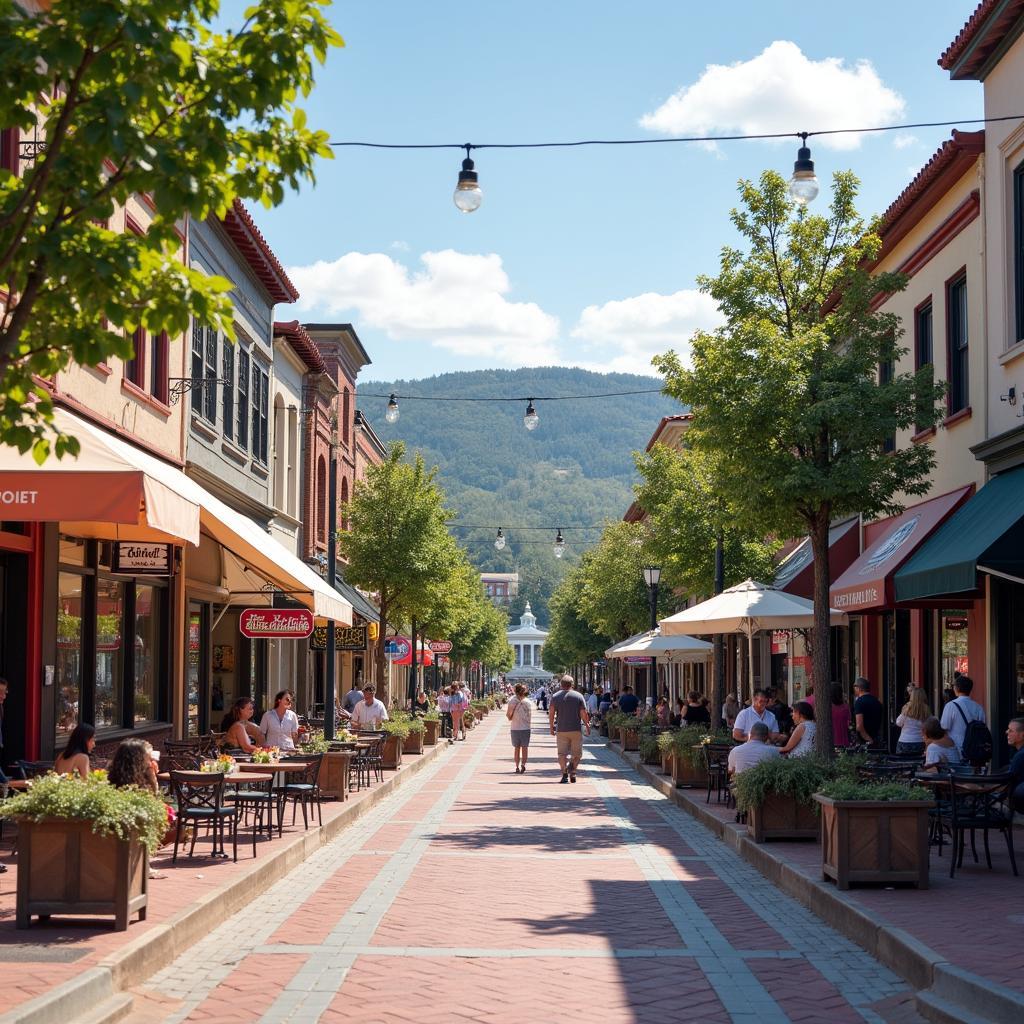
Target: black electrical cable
(524,398)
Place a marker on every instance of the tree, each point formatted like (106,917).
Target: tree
(571,639)
(787,395)
(134,98)
(689,515)
(396,544)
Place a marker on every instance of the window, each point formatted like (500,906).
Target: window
(9,149)
(242,438)
(280,453)
(210,377)
(259,398)
(69,651)
(197,366)
(885,375)
(321,500)
(227,372)
(109,652)
(158,353)
(1018,247)
(344,503)
(924,357)
(147,635)
(134,368)
(956,333)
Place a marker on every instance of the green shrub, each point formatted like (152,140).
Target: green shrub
(799,777)
(665,742)
(649,748)
(416,725)
(433,715)
(688,742)
(620,720)
(122,812)
(399,727)
(850,789)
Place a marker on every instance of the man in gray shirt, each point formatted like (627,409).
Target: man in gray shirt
(567,714)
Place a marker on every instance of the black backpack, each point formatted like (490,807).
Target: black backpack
(977,746)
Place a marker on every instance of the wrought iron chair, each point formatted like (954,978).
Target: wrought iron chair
(200,800)
(303,788)
(260,800)
(977,803)
(716,759)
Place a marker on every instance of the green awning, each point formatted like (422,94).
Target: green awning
(985,534)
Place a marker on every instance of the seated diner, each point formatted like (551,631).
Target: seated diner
(74,758)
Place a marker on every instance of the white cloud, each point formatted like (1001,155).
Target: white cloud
(904,141)
(400,246)
(456,301)
(780,90)
(633,330)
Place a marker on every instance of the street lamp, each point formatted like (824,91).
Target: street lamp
(652,576)
(803,186)
(331,655)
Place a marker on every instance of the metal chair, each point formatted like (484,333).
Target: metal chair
(716,759)
(977,802)
(200,800)
(31,769)
(260,800)
(304,788)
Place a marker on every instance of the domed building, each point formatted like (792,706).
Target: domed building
(527,641)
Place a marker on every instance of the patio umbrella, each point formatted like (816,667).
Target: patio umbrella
(653,644)
(747,608)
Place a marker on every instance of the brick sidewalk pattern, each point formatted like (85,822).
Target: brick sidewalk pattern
(475,894)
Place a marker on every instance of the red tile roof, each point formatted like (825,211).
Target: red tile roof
(680,417)
(242,230)
(302,343)
(984,30)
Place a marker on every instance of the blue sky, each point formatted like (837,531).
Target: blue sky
(586,256)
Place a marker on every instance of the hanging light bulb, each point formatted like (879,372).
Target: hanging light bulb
(803,186)
(531,419)
(499,541)
(468,194)
(559,545)
(392,414)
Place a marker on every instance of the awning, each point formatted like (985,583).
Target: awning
(360,605)
(653,645)
(795,573)
(986,534)
(111,481)
(868,582)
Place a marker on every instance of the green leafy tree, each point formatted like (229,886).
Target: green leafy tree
(787,396)
(571,639)
(130,98)
(397,544)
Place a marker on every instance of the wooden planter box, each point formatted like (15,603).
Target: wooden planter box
(413,743)
(333,777)
(63,868)
(603,730)
(685,774)
(782,817)
(431,732)
(666,763)
(654,758)
(479,712)
(630,739)
(392,754)
(874,841)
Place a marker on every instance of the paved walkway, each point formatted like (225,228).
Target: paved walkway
(474,894)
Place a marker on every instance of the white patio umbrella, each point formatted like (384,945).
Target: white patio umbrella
(747,608)
(653,644)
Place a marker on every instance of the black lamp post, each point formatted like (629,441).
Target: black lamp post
(652,576)
(332,574)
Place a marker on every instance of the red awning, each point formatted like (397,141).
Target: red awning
(868,582)
(795,574)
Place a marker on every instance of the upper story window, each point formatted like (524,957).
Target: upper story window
(885,375)
(259,396)
(242,435)
(204,371)
(1018,248)
(924,351)
(9,150)
(148,369)
(958,396)
(227,372)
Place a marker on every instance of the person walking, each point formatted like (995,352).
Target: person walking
(568,713)
(542,698)
(520,714)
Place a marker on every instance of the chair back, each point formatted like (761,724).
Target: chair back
(981,800)
(716,755)
(32,769)
(309,775)
(180,760)
(197,791)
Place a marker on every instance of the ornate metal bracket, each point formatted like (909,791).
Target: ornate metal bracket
(180,386)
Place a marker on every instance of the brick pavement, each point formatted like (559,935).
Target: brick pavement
(474,894)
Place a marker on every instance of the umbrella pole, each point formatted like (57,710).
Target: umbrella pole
(750,662)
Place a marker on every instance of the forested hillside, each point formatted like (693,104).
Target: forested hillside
(574,470)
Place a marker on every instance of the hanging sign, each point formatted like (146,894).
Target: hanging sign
(373,631)
(142,559)
(283,624)
(397,648)
(637,659)
(346,638)
(440,646)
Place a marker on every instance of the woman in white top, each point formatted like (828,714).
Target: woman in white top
(801,740)
(520,713)
(280,727)
(940,751)
(911,722)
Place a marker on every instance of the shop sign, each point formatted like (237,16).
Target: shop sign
(142,559)
(636,659)
(397,648)
(346,638)
(373,631)
(440,646)
(955,623)
(780,641)
(282,624)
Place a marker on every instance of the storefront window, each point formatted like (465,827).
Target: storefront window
(72,550)
(953,644)
(109,652)
(193,666)
(69,651)
(147,651)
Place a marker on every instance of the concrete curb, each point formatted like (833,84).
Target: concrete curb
(910,958)
(140,958)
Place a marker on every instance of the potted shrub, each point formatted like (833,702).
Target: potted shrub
(397,730)
(665,751)
(650,752)
(83,847)
(333,776)
(688,765)
(413,743)
(778,796)
(874,832)
(615,721)
(431,727)
(468,719)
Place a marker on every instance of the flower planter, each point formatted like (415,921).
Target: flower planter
(603,730)
(685,774)
(630,739)
(431,731)
(781,816)
(333,777)
(654,758)
(413,743)
(874,841)
(666,762)
(392,754)
(63,868)
(479,712)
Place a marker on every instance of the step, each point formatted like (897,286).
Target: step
(109,1011)
(941,1011)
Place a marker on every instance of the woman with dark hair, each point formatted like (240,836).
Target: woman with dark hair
(696,713)
(840,716)
(237,726)
(133,765)
(74,758)
(280,727)
(801,742)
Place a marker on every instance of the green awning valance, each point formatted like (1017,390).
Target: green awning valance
(986,533)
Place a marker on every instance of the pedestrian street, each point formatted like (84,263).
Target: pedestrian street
(476,894)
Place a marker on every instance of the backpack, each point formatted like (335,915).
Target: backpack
(977,746)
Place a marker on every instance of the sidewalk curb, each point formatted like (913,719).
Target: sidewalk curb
(140,958)
(907,956)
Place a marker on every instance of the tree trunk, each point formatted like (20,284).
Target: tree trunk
(718,682)
(381,661)
(820,642)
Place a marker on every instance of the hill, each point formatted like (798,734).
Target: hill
(575,470)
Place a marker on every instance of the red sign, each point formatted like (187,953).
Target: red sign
(440,646)
(285,624)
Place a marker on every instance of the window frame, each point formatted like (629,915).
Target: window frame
(198,357)
(958,393)
(242,421)
(1017,185)
(923,309)
(211,364)
(227,372)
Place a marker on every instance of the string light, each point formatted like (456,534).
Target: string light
(803,186)
(468,194)
(559,545)
(499,541)
(392,413)
(531,419)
